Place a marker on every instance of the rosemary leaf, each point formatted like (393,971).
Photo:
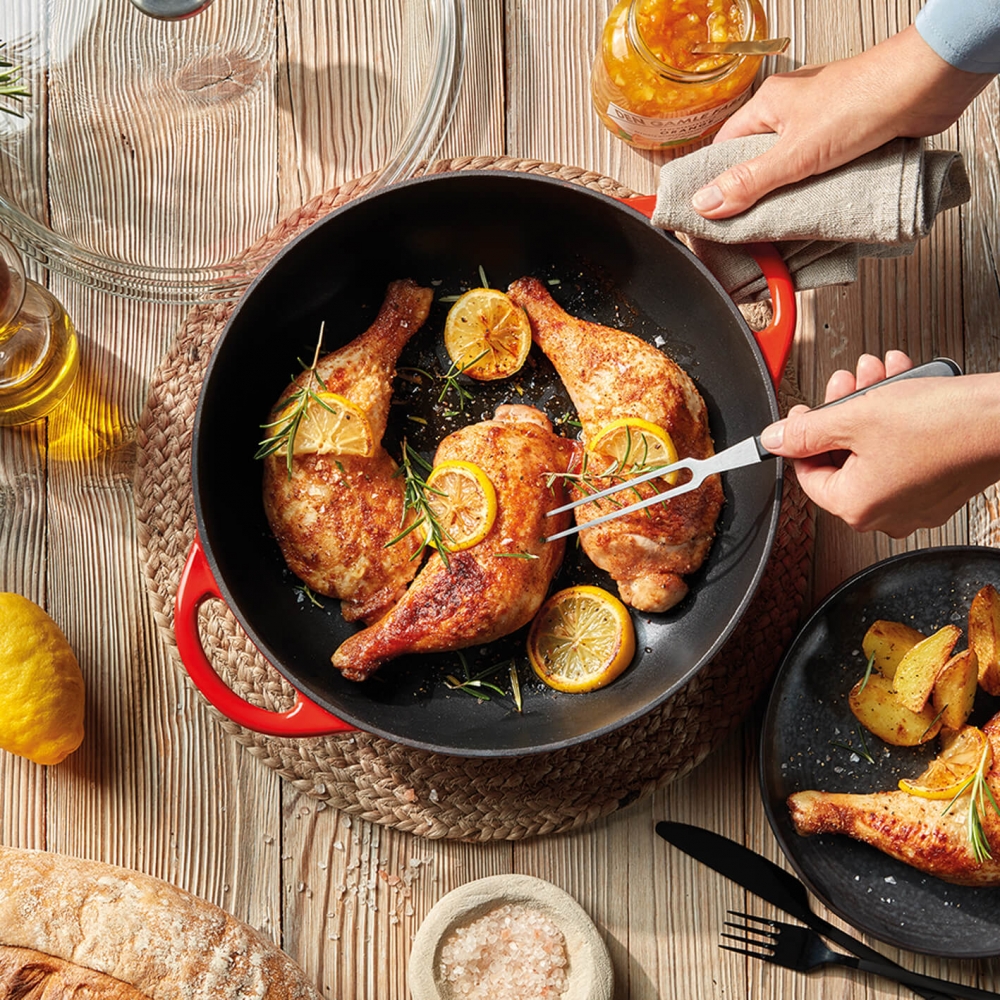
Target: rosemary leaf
(474,684)
(515,687)
(307,592)
(452,384)
(415,491)
(291,412)
(11,86)
(868,672)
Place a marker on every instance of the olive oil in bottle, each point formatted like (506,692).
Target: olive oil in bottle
(39,356)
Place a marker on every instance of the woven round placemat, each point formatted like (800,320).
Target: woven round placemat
(430,794)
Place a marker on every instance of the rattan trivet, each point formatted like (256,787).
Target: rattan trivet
(435,795)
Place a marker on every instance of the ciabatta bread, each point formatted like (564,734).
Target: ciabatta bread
(64,919)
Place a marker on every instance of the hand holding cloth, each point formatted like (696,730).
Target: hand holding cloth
(878,205)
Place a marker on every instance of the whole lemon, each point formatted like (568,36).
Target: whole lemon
(41,687)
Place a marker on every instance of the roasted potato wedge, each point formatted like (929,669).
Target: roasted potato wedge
(918,669)
(886,643)
(984,637)
(877,708)
(955,689)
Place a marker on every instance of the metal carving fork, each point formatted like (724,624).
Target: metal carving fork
(747,452)
(803,950)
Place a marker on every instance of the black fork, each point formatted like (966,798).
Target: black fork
(803,950)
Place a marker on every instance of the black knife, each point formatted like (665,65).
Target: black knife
(768,881)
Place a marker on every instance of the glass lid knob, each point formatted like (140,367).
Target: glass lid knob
(171,10)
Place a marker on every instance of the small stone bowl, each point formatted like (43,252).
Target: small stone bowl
(590,976)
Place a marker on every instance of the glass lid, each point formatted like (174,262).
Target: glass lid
(150,156)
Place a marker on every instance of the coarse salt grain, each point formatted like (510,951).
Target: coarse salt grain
(513,952)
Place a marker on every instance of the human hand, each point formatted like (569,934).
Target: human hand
(831,114)
(906,456)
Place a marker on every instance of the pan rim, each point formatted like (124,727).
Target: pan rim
(369,725)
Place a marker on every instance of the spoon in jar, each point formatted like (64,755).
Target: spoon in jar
(754,47)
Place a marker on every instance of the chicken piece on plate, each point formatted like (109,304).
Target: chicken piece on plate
(612,374)
(494,587)
(914,830)
(334,514)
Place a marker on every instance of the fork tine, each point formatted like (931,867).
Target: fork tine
(762,932)
(771,930)
(764,956)
(749,940)
(750,916)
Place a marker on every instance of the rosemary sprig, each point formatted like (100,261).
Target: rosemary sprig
(452,384)
(863,752)
(588,481)
(292,410)
(11,86)
(415,490)
(307,593)
(474,684)
(980,799)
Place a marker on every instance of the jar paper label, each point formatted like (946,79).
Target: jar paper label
(672,131)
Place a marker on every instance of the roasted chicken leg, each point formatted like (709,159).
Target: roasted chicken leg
(496,586)
(333,515)
(611,374)
(915,830)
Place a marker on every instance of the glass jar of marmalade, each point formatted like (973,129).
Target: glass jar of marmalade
(651,90)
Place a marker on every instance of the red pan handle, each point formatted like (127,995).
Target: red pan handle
(775,340)
(304,718)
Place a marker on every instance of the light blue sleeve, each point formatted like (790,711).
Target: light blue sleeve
(965,33)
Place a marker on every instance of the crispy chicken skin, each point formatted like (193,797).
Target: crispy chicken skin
(479,595)
(333,516)
(914,830)
(611,374)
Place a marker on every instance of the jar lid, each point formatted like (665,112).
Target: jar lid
(153,155)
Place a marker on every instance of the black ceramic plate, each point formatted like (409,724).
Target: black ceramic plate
(808,725)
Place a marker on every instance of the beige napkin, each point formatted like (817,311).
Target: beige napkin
(876,206)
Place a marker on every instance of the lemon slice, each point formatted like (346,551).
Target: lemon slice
(463,502)
(631,445)
(330,425)
(948,774)
(486,335)
(581,639)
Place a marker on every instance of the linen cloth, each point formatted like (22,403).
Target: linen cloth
(878,205)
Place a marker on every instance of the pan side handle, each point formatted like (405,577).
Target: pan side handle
(775,340)
(304,718)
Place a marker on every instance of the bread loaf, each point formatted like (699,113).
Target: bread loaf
(81,928)
(32,975)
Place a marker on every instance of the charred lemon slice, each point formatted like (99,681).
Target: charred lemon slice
(486,335)
(581,639)
(463,503)
(953,769)
(329,425)
(631,445)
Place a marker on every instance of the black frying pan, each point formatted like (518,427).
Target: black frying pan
(607,264)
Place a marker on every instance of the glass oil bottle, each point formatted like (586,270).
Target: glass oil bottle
(39,356)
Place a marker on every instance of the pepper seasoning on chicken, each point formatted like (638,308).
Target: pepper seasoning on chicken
(333,514)
(494,587)
(612,374)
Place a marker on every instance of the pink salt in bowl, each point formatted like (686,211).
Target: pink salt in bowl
(509,936)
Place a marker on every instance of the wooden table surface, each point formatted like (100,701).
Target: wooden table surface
(157,786)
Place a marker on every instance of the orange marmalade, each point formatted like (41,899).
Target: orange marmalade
(647,85)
